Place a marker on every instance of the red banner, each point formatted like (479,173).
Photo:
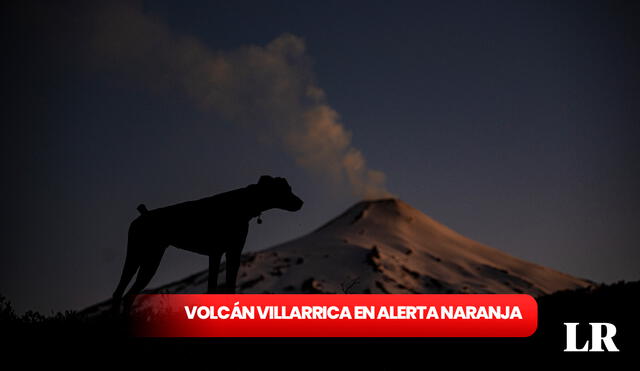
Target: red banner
(273,315)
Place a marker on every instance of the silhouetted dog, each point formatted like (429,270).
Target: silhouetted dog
(210,226)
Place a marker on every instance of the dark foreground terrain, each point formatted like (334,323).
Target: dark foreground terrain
(70,333)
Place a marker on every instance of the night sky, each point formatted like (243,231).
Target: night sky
(515,123)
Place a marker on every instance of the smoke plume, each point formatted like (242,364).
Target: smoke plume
(269,89)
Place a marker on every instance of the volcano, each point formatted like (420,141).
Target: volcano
(384,246)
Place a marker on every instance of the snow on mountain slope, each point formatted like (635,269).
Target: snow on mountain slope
(385,246)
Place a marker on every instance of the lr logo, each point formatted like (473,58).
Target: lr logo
(597,338)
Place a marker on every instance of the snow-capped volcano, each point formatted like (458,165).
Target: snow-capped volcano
(385,246)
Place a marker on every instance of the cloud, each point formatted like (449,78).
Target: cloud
(268,89)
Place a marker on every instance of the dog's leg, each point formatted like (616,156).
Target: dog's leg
(214,266)
(131,265)
(233,265)
(130,268)
(147,269)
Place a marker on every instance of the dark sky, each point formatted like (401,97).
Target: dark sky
(516,124)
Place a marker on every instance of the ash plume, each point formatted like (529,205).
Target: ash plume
(268,89)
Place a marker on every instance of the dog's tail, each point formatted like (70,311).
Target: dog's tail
(142,209)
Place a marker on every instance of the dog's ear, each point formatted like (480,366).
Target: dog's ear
(281,181)
(265,179)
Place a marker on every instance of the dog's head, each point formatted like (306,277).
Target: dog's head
(279,193)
